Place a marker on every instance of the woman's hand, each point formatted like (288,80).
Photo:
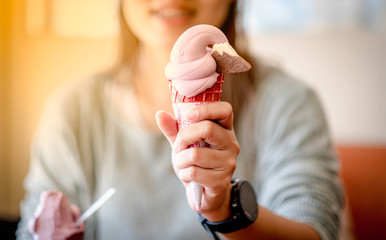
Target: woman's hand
(212,167)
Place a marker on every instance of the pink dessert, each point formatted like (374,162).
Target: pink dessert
(55,218)
(198,57)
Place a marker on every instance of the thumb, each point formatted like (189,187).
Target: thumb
(168,125)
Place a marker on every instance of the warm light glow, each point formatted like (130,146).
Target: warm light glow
(85,18)
(36,16)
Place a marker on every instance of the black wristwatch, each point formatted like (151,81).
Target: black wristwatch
(243,207)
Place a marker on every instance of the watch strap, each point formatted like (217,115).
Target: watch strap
(233,223)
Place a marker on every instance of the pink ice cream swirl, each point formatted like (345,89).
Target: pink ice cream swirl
(192,69)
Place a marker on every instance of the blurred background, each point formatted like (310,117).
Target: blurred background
(338,47)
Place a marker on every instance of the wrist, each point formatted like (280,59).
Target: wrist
(223,211)
(244,210)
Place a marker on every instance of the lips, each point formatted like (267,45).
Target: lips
(172,11)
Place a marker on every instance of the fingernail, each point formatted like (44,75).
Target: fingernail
(192,114)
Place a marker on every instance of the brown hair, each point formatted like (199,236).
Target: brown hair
(129,44)
(237,87)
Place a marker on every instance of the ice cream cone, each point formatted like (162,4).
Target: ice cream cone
(193,67)
(182,104)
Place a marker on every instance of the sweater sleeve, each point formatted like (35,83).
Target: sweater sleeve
(298,167)
(55,161)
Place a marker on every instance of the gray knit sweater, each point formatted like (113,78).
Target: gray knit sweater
(83,147)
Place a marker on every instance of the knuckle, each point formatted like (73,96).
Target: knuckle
(194,154)
(228,107)
(176,160)
(236,147)
(201,111)
(232,166)
(177,164)
(184,175)
(192,173)
(233,144)
(208,128)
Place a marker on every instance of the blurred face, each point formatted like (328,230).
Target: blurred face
(159,23)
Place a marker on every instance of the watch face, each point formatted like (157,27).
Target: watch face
(248,201)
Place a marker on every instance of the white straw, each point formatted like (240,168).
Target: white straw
(96,205)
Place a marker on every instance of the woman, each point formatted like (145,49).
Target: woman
(101,133)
